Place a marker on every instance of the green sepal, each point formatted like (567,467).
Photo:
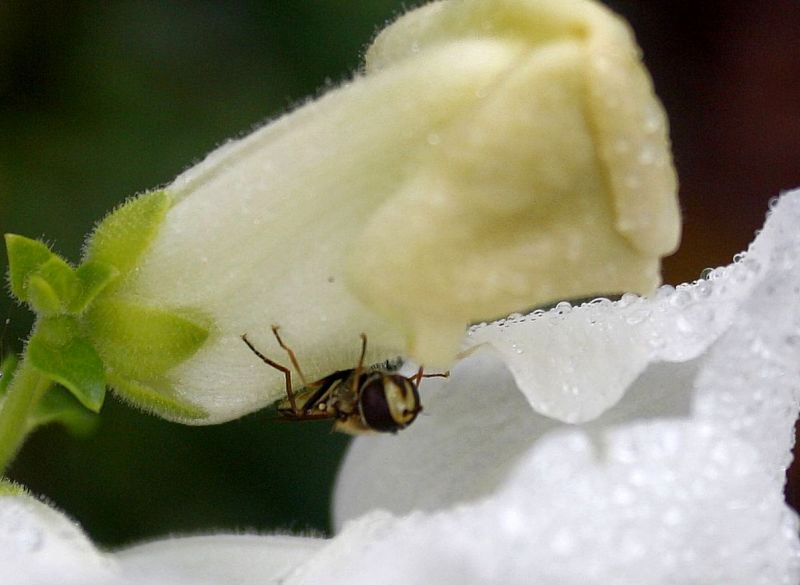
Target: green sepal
(126,233)
(25,256)
(52,286)
(48,283)
(11,488)
(7,368)
(93,277)
(149,398)
(61,277)
(42,298)
(57,331)
(140,342)
(57,351)
(58,405)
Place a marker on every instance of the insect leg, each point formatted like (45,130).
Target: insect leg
(360,366)
(292,356)
(287,373)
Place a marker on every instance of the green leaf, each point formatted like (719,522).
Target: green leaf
(127,232)
(94,277)
(149,398)
(59,406)
(141,342)
(69,360)
(24,257)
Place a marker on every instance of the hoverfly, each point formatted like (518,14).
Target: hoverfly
(361,399)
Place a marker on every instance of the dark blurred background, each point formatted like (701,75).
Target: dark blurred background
(100,100)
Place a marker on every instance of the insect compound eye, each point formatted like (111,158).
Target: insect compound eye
(388,402)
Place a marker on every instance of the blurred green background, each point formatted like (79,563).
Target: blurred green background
(101,100)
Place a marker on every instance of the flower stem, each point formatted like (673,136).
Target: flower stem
(24,393)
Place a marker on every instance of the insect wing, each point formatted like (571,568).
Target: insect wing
(309,398)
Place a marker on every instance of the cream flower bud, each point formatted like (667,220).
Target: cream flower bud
(493,156)
(558,183)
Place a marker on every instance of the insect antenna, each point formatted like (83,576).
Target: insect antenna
(417,378)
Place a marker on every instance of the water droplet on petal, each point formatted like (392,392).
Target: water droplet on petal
(562,308)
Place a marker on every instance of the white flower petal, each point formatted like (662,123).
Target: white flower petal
(573,363)
(653,504)
(681,481)
(216,560)
(473,432)
(40,546)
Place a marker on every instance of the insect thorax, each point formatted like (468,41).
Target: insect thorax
(333,395)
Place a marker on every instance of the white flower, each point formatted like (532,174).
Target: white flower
(679,482)
(492,156)
(41,547)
